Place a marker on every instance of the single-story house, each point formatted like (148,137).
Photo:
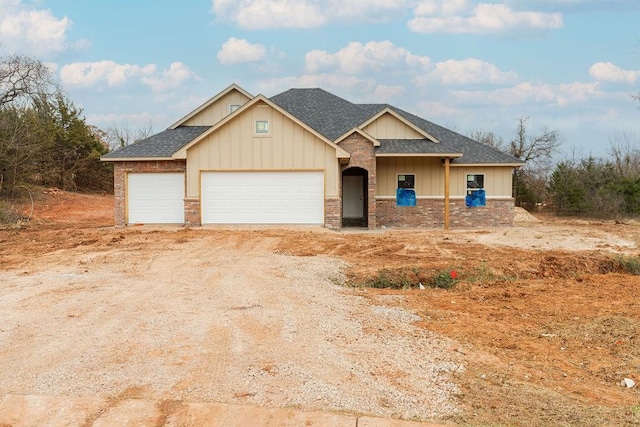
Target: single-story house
(307,156)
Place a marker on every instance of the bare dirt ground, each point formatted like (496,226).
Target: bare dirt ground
(540,328)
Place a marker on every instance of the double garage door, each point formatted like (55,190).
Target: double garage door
(293,197)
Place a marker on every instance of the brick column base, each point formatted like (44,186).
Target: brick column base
(332,213)
(192,212)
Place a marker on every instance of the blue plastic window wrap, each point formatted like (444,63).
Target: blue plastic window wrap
(405,197)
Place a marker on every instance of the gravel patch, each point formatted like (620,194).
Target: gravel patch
(217,320)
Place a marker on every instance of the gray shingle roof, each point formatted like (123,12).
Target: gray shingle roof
(332,117)
(325,112)
(162,144)
(473,151)
(413,146)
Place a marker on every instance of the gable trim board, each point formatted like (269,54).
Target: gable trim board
(182,153)
(294,174)
(209,103)
(398,117)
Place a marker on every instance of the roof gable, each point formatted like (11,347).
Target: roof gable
(215,108)
(182,152)
(396,119)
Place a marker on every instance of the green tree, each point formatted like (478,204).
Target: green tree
(567,190)
(71,148)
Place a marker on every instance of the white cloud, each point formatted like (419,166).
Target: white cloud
(384,93)
(92,73)
(87,74)
(468,71)
(358,58)
(270,14)
(526,92)
(608,72)
(174,77)
(38,32)
(467,17)
(238,51)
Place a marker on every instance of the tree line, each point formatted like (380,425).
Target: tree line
(44,139)
(604,187)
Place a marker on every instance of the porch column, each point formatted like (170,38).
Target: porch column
(446,193)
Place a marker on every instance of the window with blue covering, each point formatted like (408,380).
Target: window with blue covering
(405,192)
(476,195)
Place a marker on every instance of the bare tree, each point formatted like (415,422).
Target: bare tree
(122,135)
(529,181)
(22,76)
(534,149)
(624,149)
(488,138)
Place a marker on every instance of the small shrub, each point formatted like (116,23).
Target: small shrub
(446,279)
(402,278)
(630,264)
(8,214)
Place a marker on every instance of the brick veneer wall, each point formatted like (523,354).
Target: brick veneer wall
(120,170)
(192,212)
(332,213)
(430,213)
(363,156)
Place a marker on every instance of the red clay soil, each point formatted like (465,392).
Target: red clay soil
(547,334)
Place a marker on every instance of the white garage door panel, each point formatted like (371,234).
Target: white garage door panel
(263,198)
(155,198)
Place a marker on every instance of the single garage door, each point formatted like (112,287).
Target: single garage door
(155,198)
(263,197)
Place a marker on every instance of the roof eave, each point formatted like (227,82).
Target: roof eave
(513,165)
(135,159)
(439,155)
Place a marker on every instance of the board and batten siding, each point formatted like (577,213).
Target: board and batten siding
(429,174)
(389,127)
(287,146)
(218,110)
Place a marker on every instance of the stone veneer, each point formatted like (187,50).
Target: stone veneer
(120,170)
(429,213)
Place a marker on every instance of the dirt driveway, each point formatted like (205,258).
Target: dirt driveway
(539,330)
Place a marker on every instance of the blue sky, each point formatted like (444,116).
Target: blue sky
(570,65)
